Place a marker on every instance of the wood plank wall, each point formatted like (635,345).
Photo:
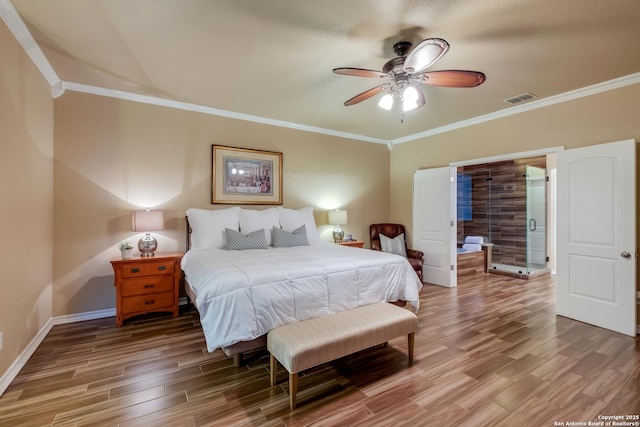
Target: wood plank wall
(499,201)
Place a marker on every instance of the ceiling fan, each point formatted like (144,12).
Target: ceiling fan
(407,70)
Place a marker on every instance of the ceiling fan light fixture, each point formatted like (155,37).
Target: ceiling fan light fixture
(406,73)
(412,98)
(386,102)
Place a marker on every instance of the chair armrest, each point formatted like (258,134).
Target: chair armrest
(413,253)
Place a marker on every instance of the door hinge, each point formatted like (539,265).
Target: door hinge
(451,267)
(547,259)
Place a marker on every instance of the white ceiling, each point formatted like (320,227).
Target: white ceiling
(272,60)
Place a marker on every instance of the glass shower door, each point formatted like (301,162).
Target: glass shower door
(536,219)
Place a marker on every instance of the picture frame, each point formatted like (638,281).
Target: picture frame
(245,176)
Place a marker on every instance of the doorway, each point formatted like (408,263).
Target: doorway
(596,229)
(505,203)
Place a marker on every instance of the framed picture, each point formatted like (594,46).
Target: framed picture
(245,176)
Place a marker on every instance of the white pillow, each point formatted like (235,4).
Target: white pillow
(208,226)
(393,246)
(291,219)
(252,220)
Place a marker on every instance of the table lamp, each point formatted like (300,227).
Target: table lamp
(147,221)
(338,217)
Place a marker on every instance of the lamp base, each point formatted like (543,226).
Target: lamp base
(338,234)
(147,245)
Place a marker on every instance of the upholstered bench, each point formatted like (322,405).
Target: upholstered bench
(302,345)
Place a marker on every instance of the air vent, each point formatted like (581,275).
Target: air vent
(520,98)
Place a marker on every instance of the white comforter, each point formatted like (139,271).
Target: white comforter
(242,295)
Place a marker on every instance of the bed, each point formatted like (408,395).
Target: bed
(243,288)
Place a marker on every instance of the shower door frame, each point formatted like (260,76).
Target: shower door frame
(536,219)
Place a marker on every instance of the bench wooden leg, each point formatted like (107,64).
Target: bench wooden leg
(410,341)
(273,368)
(293,389)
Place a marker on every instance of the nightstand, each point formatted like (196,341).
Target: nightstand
(146,285)
(355,244)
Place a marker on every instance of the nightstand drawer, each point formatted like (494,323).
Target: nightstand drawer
(147,285)
(146,268)
(148,303)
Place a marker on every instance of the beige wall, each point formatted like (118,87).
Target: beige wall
(26,183)
(113,156)
(607,117)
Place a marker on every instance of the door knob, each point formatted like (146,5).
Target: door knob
(625,254)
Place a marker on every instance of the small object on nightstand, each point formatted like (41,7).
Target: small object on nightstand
(126,250)
(146,284)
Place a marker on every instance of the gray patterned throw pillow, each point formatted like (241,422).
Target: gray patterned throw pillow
(284,239)
(237,241)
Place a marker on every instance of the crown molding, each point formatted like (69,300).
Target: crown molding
(20,31)
(16,25)
(129,96)
(606,86)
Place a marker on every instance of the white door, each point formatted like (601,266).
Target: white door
(597,236)
(432,224)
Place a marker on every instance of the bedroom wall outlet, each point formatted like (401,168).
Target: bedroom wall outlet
(0,341)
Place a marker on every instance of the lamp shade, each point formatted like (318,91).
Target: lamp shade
(147,220)
(386,101)
(338,217)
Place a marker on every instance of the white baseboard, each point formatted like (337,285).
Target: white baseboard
(19,363)
(22,359)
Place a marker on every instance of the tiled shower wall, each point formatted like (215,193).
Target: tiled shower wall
(498,199)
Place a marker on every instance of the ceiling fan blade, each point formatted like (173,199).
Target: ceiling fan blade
(425,54)
(360,72)
(451,78)
(366,94)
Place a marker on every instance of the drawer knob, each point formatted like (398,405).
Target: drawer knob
(149,302)
(162,267)
(135,270)
(149,285)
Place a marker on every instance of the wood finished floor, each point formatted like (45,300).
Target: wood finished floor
(490,352)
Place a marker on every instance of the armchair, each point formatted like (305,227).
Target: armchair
(415,257)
